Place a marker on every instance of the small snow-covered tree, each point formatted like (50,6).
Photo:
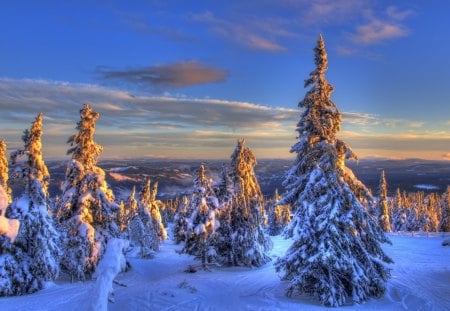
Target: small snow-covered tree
(202,223)
(383,210)
(279,215)
(14,270)
(336,254)
(240,237)
(444,224)
(224,186)
(141,231)
(86,210)
(399,212)
(181,221)
(148,200)
(4,170)
(37,239)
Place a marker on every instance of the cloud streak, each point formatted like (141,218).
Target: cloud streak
(176,75)
(377,31)
(138,125)
(256,36)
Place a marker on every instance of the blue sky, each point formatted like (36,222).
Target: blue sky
(185,79)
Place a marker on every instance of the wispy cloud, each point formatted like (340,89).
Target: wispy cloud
(180,74)
(383,26)
(136,125)
(377,31)
(249,34)
(137,22)
(397,14)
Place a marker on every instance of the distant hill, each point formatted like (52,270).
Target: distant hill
(175,176)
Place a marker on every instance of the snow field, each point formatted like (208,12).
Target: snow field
(420,281)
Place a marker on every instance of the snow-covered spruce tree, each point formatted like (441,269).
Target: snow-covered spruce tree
(383,210)
(4,170)
(444,224)
(148,200)
(240,238)
(86,210)
(224,186)
(399,213)
(279,215)
(141,230)
(15,275)
(181,221)
(336,254)
(37,237)
(202,223)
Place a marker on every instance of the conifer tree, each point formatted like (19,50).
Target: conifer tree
(122,218)
(141,229)
(202,223)
(181,221)
(224,186)
(4,170)
(37,238)
(444,224)
(240,238)
(15,275)
(383,210)
(86,211)
(279,215)
(399,212)
(148,200)
(336,255)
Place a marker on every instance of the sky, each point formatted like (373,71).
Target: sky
(186,79)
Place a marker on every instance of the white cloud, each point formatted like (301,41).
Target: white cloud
(378,31)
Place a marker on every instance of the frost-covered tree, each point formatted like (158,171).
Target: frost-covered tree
(141,230)
(240,238)
(202,223)
(86,210)
(444,224)
(4,170)
(336,254)
(15,276)
(181,221)
(148,200)
(279,215)
(224,186)
(383,209)
(399,212)
(128,210)
(37,238)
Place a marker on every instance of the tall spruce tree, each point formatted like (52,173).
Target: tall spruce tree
(86,210)
(37,238)
(202,223)
(336,254)
(240,238)
(383,209)
(4,177)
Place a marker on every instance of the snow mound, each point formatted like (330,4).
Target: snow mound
(112,263)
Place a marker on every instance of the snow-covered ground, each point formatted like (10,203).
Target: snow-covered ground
(420,281)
